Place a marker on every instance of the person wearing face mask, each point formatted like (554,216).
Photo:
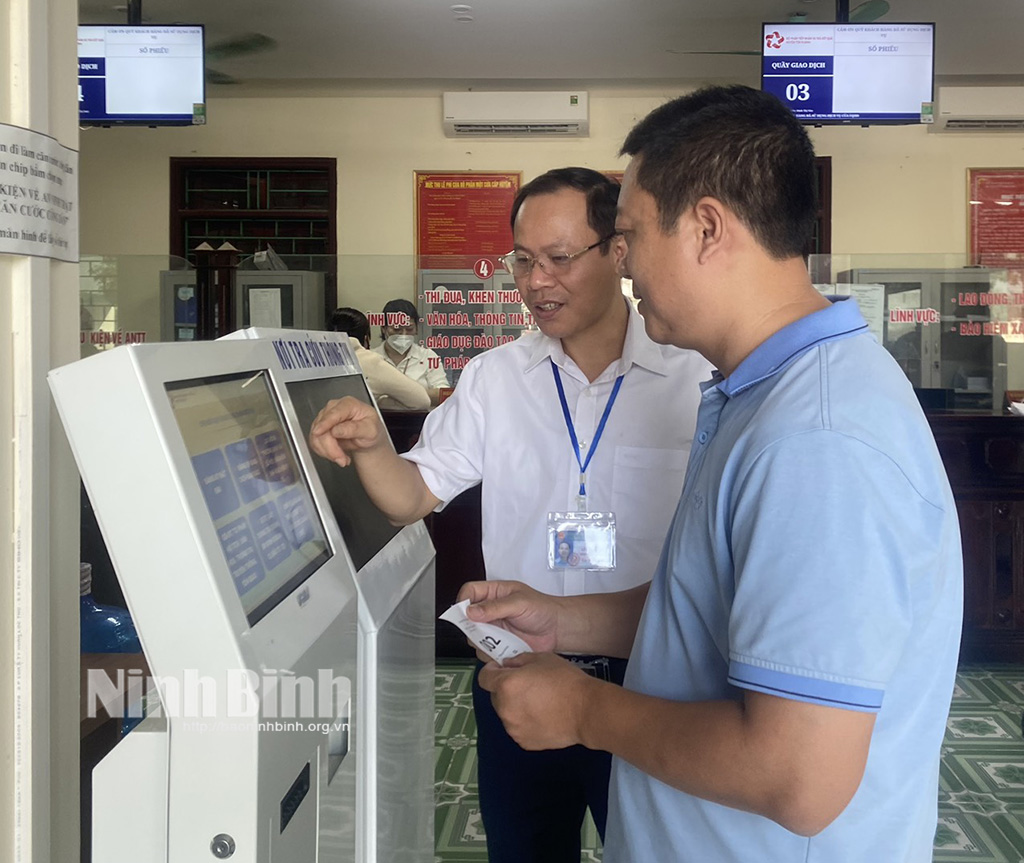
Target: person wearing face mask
(389,386)
(400,348)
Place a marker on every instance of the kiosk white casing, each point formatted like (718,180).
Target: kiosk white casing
(216,785)
(395,711)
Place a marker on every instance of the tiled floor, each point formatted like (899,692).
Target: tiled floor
(981,796)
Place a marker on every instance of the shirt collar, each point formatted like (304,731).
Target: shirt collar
(839,321)
(637,349)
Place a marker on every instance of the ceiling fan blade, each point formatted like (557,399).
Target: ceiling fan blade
(215,77)
(247,43)
(868,11)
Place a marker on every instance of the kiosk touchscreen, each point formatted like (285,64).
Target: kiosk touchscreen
(396,615)
(243,592)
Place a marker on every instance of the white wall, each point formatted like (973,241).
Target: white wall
(899,189)
(895,189)
(903,188)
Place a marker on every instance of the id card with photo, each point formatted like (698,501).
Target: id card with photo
(581,540)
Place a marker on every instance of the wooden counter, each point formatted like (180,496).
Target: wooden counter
(984,459)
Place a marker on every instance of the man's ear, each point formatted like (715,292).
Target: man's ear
(617,245)
(710,216)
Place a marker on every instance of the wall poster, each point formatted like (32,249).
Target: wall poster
(38,195)
(995,216)
(463,214)
(995,238)
(467,302)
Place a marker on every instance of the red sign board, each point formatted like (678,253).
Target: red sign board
(995,216)
(462,215)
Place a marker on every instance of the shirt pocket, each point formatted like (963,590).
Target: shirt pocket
(646,485)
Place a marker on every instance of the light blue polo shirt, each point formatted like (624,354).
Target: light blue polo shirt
(814,555)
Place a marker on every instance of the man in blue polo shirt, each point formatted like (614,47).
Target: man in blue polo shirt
(792,663)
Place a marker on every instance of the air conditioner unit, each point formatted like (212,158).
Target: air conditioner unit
(524,114)
(980,109)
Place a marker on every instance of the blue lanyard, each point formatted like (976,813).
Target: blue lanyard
(582,493)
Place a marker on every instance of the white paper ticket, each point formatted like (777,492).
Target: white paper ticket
(496,642)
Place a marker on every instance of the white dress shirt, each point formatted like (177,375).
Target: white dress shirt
(504,426)
(421,364)
(389,386)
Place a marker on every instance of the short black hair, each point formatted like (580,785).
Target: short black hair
(400,306)
(602,194)
(738,145)
(351,321)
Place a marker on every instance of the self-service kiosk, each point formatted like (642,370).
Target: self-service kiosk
(239,556)
(396,618)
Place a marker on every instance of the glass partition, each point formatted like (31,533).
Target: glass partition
(120,298)
(465,304)
(956,330)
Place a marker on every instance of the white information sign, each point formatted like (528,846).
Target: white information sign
(38,195)
(265,307)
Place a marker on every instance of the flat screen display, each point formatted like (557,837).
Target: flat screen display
(255,493)
(365,528)
(855,74)
(141,75)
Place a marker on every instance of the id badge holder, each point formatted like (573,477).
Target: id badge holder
(581,540)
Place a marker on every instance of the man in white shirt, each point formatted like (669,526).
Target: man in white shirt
(402,351)
(586,416)
(389,386)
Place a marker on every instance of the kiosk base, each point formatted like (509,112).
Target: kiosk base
(129,798)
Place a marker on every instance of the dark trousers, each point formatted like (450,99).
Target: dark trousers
(533,803)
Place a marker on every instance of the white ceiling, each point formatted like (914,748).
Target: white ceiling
(575,42)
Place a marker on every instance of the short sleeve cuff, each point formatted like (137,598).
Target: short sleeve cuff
(433,480)
(809,689)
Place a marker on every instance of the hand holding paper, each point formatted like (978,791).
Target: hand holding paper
(516,607)
(496,642)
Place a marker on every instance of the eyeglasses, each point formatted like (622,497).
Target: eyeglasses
(520,264)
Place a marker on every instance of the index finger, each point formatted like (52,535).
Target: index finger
(334,412)
(326,446)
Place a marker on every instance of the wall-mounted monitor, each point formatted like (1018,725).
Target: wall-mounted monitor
(854,74)
(141,75)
